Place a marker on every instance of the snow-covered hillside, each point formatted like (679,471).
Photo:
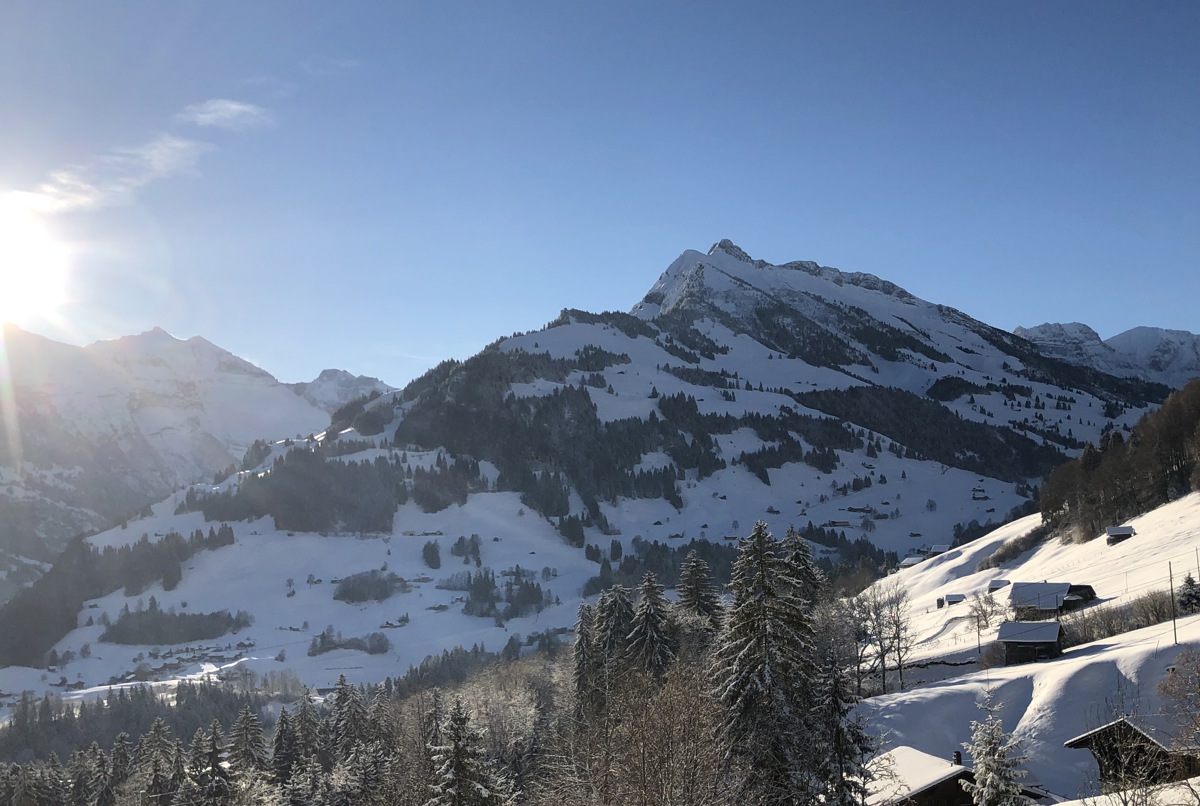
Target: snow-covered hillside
(1048,702)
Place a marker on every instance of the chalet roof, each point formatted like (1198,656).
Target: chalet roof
(955,598)
(1029,632)
(905,771)
(1040,595)
(940,548)
(1119,531)
(997,584)
(1158,728)
(909,562)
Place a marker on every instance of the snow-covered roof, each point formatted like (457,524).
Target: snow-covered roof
(909,562)
(1042,595)
(1035,632)
(905,771)
(955,598)
(1119,531)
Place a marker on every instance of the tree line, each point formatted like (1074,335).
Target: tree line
(1124,477)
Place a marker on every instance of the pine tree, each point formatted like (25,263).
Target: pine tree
(651,645)
(120,760)
(697,593)
(1189,594)
(284,752)
(208,771)
(463,777)
(614,620)
(841,742)
(588,695)
(306,723)
(997,762)
(349,722)
(763,666)
(151,769)
(247,746)
(807,581)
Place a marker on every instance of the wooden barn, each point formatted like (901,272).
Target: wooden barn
(1029,641)
(1118,534)
(1136,750)
(1034,601)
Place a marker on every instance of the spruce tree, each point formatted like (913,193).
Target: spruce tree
(763,669)
(841,743)
(651,644)
(997,762)
(588,695)
(1189,594)
(614,620)
(348,723)
(247,746)
(284,752)
(807,582)
(697,592)
(462,776)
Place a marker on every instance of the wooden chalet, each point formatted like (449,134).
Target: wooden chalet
(905,776)
(1139,749)
(1029,641)
(1034,601)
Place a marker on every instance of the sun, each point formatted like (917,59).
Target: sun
(33,266)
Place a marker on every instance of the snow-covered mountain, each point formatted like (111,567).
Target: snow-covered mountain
(1169,357)
(95,433)
(735,391)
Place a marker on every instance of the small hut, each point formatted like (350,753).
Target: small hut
(1028,641)
(1118,534)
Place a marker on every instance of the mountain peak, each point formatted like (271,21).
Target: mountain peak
(730,248)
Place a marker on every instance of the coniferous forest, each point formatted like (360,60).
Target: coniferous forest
(706,700)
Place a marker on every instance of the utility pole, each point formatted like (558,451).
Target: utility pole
(1171,580)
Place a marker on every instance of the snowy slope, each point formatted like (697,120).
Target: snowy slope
(1045,703)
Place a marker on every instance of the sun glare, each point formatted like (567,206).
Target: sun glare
(33,266)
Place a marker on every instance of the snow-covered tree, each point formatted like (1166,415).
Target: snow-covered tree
(585,662)
(349,721)
(763,670)
(997,759)
(651,645)
(247,746)
(840,740)
(462,776)
(1189,594)
(697,593)
(614,620)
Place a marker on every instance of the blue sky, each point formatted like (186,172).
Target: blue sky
(379,186)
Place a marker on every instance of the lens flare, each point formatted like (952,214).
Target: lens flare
(33,266)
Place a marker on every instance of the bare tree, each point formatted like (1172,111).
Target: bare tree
(884,609)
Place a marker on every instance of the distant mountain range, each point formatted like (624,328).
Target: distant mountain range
(1169,357)
(93,434)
